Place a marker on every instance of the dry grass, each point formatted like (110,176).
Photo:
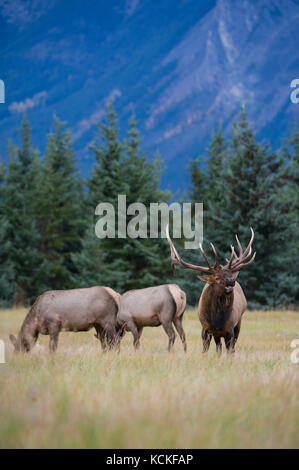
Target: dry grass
(152,399)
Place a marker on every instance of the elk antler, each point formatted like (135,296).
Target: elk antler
(176,259)
(237,262)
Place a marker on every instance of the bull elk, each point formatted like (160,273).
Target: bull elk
(222,302)
(70,310)
(153,306)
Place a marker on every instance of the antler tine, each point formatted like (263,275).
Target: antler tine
(242,259)
(232,256)
(176,259)
(230,261)
(240,266)
(250,242)
(239,245)
(204,255)
(216,256)
(239,262)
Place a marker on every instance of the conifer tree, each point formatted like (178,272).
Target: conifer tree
(106,181)
(104,185)
(121,169)
(60,212)
(7,271)
(146,258)
(251,181)
(21,233)
(290,279)
(248,190)
(206,187)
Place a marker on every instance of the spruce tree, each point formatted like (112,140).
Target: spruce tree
(289,279)
(106,181)
(245,187)
(251,181)
(146,258)
(122,169)
(206,187)
(22,237)
(104,185)
(7,271)
(88,259)
(59,212)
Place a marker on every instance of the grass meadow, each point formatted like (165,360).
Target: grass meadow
(81,398)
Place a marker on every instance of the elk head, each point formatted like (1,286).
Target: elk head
(223,277)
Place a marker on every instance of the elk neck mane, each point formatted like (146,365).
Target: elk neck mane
(217,306)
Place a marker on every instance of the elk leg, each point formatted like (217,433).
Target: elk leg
(236,332)
(119,334)
(133,328)
(101,336)
(229,342)
(111,337)
(140,329)
(53,341)
(217,340)
(168,328)
(206,340)
(178,323)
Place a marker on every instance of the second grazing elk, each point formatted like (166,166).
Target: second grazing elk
(222,302)
(153,306)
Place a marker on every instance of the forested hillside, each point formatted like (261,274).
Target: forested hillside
(47,213)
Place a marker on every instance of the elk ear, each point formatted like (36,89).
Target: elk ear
(13,339)
(235,275)
(205,278)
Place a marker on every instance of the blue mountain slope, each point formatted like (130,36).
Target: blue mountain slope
(182,67)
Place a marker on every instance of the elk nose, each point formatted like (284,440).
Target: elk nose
(231,281)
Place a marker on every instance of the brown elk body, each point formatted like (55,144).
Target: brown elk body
(70,310)
(153,306)
(222,302)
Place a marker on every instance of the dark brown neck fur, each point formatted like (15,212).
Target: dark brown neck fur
(218,306)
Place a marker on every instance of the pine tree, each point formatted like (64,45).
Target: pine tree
(106,181)
(147,258)
(21,233)
(290,279)
(246,188)
(206,187)
(88,260)
(205,174)
(104,185)
(7,271)
(252,182)
(59,212)
(121,169)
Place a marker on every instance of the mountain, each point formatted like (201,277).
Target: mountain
(182,66)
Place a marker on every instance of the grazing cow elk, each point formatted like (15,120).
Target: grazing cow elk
(222,302)
(153,306)
(70,310)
